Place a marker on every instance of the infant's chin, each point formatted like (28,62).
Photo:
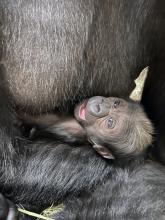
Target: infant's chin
(80,111)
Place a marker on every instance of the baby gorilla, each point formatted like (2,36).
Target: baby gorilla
(115,125)
(116,128)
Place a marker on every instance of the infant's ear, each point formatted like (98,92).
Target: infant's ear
(104,151)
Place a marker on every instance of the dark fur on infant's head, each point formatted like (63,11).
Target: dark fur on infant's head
(114,127)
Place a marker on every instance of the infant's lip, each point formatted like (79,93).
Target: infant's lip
(82,110)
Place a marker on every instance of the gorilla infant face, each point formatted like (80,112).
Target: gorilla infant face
(115,125)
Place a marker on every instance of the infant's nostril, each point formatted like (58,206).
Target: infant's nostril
(97,108)
(102,100)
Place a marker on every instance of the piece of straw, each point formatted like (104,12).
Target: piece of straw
(33,214)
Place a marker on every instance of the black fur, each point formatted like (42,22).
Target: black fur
(55,53)
(136,193)
(40,173)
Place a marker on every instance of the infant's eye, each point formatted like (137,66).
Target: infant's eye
(110,123)
(116,103)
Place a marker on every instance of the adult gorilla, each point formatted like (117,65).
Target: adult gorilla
(54,54)
(57,52)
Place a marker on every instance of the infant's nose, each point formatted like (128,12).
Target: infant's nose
(96,106)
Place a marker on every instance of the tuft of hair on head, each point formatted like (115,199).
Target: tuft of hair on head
(141,135)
